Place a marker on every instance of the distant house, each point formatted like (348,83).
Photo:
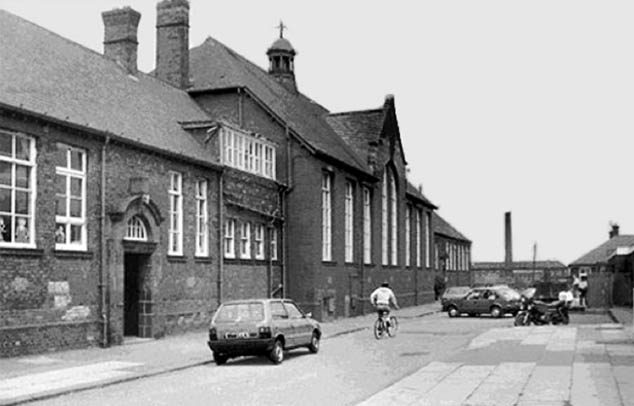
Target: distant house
(609,269)
(453,252)
(521,274)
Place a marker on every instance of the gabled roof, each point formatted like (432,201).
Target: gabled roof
(358,128)
(44,74)
(519,265)
(414,192)
(214,66)
(441,226)
(601,253)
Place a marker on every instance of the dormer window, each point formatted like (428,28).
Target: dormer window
(248,153)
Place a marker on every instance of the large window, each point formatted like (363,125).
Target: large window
(245,152)
(428,240)
(384,222)
(202,234)
(274,244)
(230,239)
(70,198)
(367,226)
(408,230)
(258,240)
(393,219)
(418,241)
(245,240)
(176,214)
(349,222)
(17,190)
(326,216)
(389,219)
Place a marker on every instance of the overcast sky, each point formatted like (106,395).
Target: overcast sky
(521,106)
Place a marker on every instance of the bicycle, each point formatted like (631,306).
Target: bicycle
(384,326)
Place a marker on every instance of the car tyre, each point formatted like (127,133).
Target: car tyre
(220,359)
(314,343)
(277,352)
(452,311)
(496,312)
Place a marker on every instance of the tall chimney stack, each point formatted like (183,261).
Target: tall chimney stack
(172,42)
(508,242)
(120,36)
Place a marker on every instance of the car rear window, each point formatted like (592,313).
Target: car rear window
(235,312)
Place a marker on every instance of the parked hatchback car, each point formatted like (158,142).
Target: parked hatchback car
(261,327)
(494,300)
(451,293)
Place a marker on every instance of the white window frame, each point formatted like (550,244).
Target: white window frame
(367,225)
(202,217)
(175,233)
(67,221)
(428,240)
(135,229)
(230,238)
(258,241)
(349,222)
(273,244)
(384,221)
(31,191)
(245,240)
(326,216)
(408,240)
(245,152)
(418,239)
(393,220)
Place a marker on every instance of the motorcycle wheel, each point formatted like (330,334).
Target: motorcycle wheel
(521,319)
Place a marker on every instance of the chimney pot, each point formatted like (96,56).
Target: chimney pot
(614,231)
(120,36)
(172,42)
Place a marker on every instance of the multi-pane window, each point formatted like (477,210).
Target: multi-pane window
(273,243)
(230,240)
(418,241)
(408,230)
(245,240)
(70,198)
(202,233)
(367,226)
(384,223)
(175,234)
(428,240)
(326,217)
(17,190)
(245,152)
(349,222)
(258,241)
(393,219)
(135,230)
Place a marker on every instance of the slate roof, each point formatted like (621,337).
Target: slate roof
(441,226)
(214,66)
(413,191)
(550,264)
(46,74)
(358,128)
(601,253)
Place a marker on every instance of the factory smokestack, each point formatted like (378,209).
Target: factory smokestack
(508,242)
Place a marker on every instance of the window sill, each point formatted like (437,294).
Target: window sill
(329,263)
(21,252)
(203,260)
(73,254)
(176,258)
(247,261)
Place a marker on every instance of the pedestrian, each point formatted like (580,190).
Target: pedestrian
(583,290)
(565,300)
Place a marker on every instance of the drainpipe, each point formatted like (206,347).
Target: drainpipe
(104,274)
(289,183)
(221,224)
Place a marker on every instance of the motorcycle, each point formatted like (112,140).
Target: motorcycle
(536,312)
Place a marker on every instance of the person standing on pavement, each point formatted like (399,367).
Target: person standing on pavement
(381,299)
(565,298)
(583,290)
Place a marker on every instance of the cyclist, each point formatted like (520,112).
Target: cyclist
(381,299)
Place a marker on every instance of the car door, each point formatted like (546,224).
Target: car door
(281,323)
(473,302)
(302,329)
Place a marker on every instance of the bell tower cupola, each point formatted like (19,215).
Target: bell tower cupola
(282,60)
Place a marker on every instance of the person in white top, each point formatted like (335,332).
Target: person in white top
(381,299)
(583,290)
(565,298)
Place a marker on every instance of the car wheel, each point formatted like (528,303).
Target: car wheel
(314,343)
(220,359)
(496,312)
(453,311)
(277,352)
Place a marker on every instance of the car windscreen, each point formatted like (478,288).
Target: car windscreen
(236,312)
(457,291)
(509,294)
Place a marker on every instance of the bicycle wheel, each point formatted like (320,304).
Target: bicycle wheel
(378,329)
(391,329)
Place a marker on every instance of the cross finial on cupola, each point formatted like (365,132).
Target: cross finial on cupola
(281,27)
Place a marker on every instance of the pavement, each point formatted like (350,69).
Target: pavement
(29,378)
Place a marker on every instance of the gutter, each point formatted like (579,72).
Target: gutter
(104,274)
